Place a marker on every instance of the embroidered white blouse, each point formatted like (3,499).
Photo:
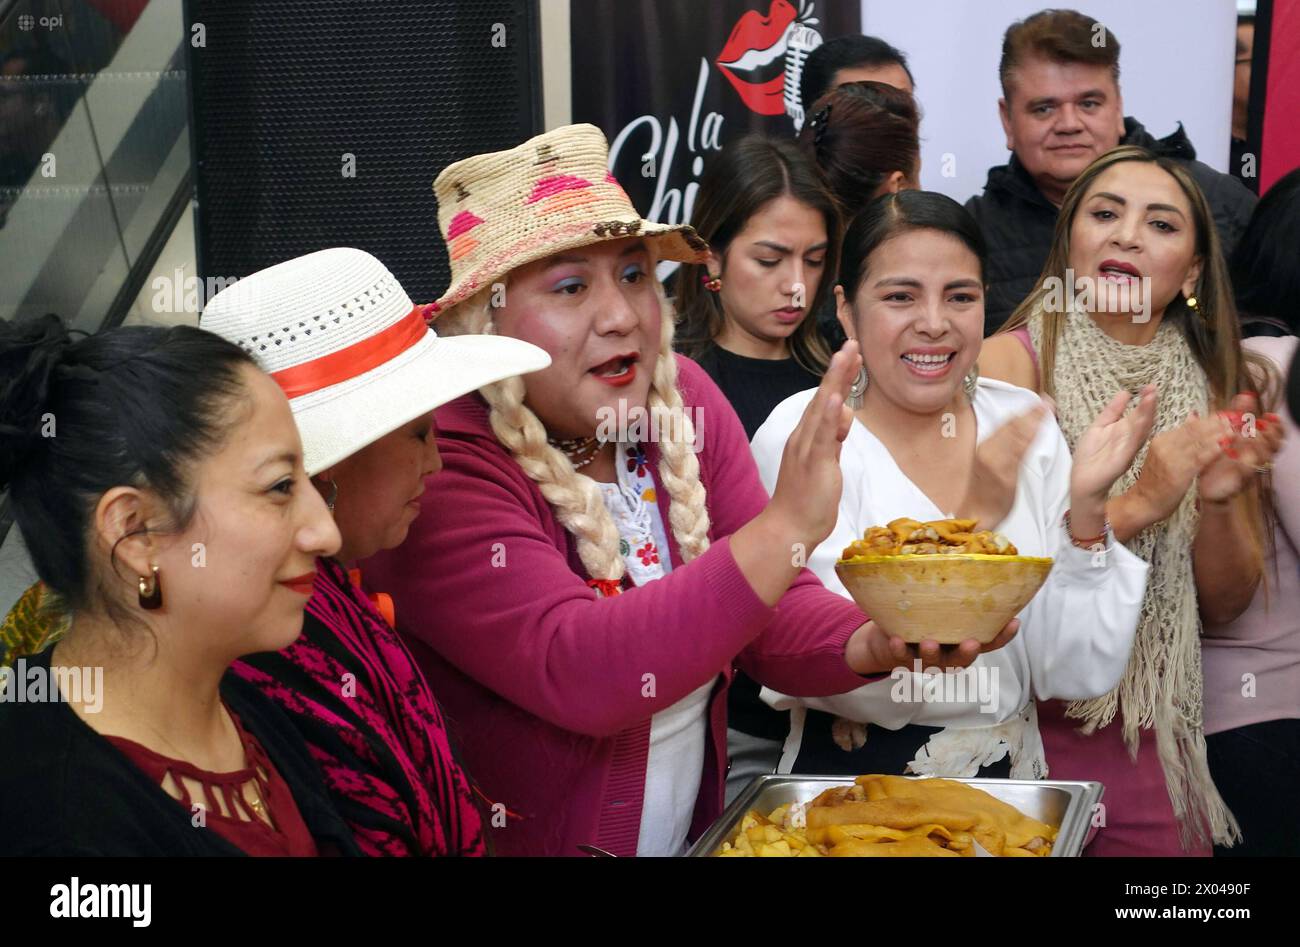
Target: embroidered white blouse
(1075,635)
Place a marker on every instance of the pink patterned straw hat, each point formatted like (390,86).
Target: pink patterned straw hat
(553,193)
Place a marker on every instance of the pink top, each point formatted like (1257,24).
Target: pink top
(1023,335)
(1264,642)
(551,687)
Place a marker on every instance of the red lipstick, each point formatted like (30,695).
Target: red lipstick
(302,584)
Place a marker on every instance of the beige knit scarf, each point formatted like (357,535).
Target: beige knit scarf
(1162,686)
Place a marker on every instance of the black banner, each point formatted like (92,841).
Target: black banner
(672,81)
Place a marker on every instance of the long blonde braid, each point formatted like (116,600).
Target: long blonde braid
(575,497)
(679,467)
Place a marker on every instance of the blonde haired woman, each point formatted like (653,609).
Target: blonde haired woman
(1135,292)
(598,553)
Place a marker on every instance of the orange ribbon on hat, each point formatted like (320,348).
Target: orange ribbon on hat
(356,359)
(382,601)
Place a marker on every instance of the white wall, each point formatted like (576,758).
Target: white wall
(1176,64)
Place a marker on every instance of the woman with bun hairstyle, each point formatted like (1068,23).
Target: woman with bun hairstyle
(363,373)
(156,477)
(599,554)
(864,139)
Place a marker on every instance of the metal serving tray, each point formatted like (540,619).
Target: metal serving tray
(1065,804)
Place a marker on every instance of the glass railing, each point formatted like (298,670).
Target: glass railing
(94,166)
(94,151)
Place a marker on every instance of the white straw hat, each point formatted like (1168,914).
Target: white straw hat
(355,357)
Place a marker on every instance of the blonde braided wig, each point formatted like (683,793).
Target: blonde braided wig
(575,497)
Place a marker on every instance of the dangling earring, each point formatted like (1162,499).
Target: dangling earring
(151,590)
(971,380)
(712,284)
(858,390)
(1195,306)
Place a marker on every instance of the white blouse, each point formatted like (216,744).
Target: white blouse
(1075,634)
(679,733)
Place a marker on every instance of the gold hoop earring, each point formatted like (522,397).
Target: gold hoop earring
(151,590)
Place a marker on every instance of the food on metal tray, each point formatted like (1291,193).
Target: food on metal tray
(891,816)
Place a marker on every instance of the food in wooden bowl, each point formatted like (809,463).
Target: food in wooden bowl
(941,580)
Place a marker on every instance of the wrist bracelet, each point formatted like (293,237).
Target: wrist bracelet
(1092,540)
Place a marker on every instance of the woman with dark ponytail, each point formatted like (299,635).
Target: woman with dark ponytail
(156,477)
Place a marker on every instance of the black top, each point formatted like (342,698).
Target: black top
(755,386)
(65,790)
(1018,221)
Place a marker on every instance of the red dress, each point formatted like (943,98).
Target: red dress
(241,826)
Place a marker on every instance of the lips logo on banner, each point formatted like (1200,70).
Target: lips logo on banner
(764,55)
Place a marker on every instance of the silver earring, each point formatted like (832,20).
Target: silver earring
(333,495)
(858,389)
(970,381)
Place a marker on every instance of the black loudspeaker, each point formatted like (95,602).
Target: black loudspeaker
(321,123)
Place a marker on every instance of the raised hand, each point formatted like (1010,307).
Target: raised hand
(772,547)
(1173,460)
(807,492)
(1245,449)
(996,470)
(1109,445)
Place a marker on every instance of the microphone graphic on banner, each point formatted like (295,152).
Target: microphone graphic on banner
(800,41)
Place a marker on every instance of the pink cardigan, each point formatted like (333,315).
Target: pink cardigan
(548,687)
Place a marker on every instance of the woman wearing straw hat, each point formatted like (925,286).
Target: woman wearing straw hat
(363,373)
(599,553)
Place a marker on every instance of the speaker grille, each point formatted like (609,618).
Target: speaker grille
(283,90)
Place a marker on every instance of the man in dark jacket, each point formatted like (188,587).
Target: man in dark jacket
(1061,109)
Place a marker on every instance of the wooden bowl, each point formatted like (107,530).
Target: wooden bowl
(944,598)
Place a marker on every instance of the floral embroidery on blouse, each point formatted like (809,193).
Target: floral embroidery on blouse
(631,502)
(636,459)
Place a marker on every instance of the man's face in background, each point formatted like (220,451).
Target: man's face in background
(1241,78)
(1058,118)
